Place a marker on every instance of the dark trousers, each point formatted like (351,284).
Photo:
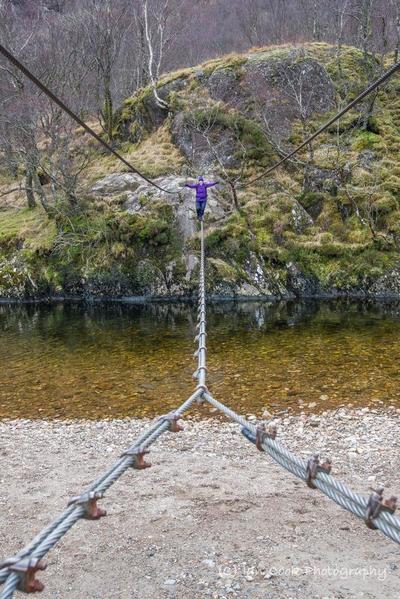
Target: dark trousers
(200,207)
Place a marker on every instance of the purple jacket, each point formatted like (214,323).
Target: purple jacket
(201,190)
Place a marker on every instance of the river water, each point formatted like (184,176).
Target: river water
(113,360)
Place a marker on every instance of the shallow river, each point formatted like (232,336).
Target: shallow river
(115,360)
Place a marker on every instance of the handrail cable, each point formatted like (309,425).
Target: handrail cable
(75,117)
(85,505)
(387,75)
(335,490)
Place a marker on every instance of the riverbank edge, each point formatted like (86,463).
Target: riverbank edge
(189,299)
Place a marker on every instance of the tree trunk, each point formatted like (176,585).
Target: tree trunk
(366,28)
(397,49)
(30,196)
(369,111)
(108,112)
(316,23)
(153,72)
(42,195)
(234,195)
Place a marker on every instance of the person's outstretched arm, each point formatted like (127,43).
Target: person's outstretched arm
(191,185)
(212,184)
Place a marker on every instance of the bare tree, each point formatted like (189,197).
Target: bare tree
(104,26)
(300,94)
(366,209)
(252,18)
(312,15)
(340,22)
(160,30)
(17,133)
(396,8)
(35,135)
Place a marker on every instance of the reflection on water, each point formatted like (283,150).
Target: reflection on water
(116,360)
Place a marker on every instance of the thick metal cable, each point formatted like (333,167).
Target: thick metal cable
(49,536)
(355,503)
(201,353)
(7,54)
(331,121)
(46,539)
(335,490)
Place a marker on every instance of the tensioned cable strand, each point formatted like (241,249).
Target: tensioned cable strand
(337,491)
(50,535)
(48,538)
(387,75)
(384,519)
(75,117)
(201,352)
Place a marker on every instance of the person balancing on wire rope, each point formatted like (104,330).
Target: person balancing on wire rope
(201,188)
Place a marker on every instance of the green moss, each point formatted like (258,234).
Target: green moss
(346,269)
(366,140)
(223,270)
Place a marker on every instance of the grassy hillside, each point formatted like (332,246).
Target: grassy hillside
(327,221)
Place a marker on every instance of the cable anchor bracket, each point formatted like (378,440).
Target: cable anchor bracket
(172,419)
(26,569)
(314,467)
(139,463)
(263,431)
(377,504)
(89,502)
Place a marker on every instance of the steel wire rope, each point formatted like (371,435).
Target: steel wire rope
(374,85)
(46,539)
(9,56)
(49,536)
(335,490)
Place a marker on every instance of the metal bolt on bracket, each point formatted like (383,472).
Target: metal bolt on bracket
(139,463)
(265,431)
(313,467)
(26,569)
(89,502)
(376,504)
(196,373)
(172,419)
(198,336)
(196,353)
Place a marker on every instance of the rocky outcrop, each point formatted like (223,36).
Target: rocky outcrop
(387,285)
(325,179)
(139,196)
(303,285)
(142,114)
(300,218)
(224,85)
(15,280)
(275,91)
(202,150)
(293,234)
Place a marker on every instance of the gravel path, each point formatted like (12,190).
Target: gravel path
(212,518)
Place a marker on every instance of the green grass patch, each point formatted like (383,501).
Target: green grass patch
(30,226)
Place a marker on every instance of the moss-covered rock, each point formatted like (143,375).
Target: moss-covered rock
(325,223)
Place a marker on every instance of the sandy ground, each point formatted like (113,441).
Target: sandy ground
(213,517)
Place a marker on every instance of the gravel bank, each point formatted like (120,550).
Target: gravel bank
(212,518)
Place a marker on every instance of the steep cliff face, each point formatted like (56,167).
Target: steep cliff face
(327,223)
